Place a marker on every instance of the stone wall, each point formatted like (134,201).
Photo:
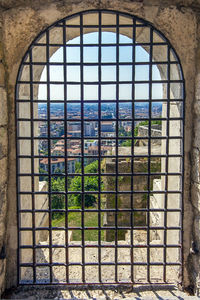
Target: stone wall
(41,220)
(124,200)
(156,131)
(3,164)
(139,201)
(20,22)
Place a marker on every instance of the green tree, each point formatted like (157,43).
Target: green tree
(58,200)
(92,168)
(128,143)
(77,167)
(58,170)
(123,132)
(90,184)
(42,177)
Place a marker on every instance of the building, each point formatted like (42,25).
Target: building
(89,129)
(58,163)
(107,127)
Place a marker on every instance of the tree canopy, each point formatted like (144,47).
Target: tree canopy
(90,184)
(75,184)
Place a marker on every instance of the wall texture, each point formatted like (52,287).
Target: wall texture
(20,22)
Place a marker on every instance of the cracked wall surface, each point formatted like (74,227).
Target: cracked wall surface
(20,22)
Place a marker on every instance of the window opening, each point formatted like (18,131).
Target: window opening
(99,101)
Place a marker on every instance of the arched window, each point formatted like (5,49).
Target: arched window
(99,111)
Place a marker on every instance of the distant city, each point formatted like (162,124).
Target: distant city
(91,113)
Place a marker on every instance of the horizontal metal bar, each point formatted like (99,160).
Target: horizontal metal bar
(163,100)
(68,45)
(102,264)
(102,228)
(102,283)
(104,156)
(102,26)
(102,82)
(101,210)
(96,63)
(106,45)
(102,192)
(103,138)
(102,119)
(102,174)
(102,246)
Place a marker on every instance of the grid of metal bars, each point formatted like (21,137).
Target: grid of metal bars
(168,209)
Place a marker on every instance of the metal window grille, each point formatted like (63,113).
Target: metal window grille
(132,126)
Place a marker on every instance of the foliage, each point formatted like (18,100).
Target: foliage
(58,171)
(75,184)
(123,132)
(136,130)
(58,200)
(77,167)
(92,168)
(44,152)
(90,184)
(153,122)
(128,143)
(156,122)
(42,177)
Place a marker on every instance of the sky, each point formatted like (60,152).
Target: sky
(108,73)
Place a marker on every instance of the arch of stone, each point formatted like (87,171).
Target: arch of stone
(140,230)
(20,25)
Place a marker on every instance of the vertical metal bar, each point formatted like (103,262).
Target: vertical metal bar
(32,167)
(82,150)
(99,149)
(49,156)
(149,155)
(66,152)
(18,187)
(182,179)
(117,153)
(132,148)
(166,164)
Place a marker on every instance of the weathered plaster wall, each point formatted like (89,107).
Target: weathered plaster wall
(155,132)
(3,163)
(20,22)
(194,258)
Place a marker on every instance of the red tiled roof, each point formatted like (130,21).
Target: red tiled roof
(45,161)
